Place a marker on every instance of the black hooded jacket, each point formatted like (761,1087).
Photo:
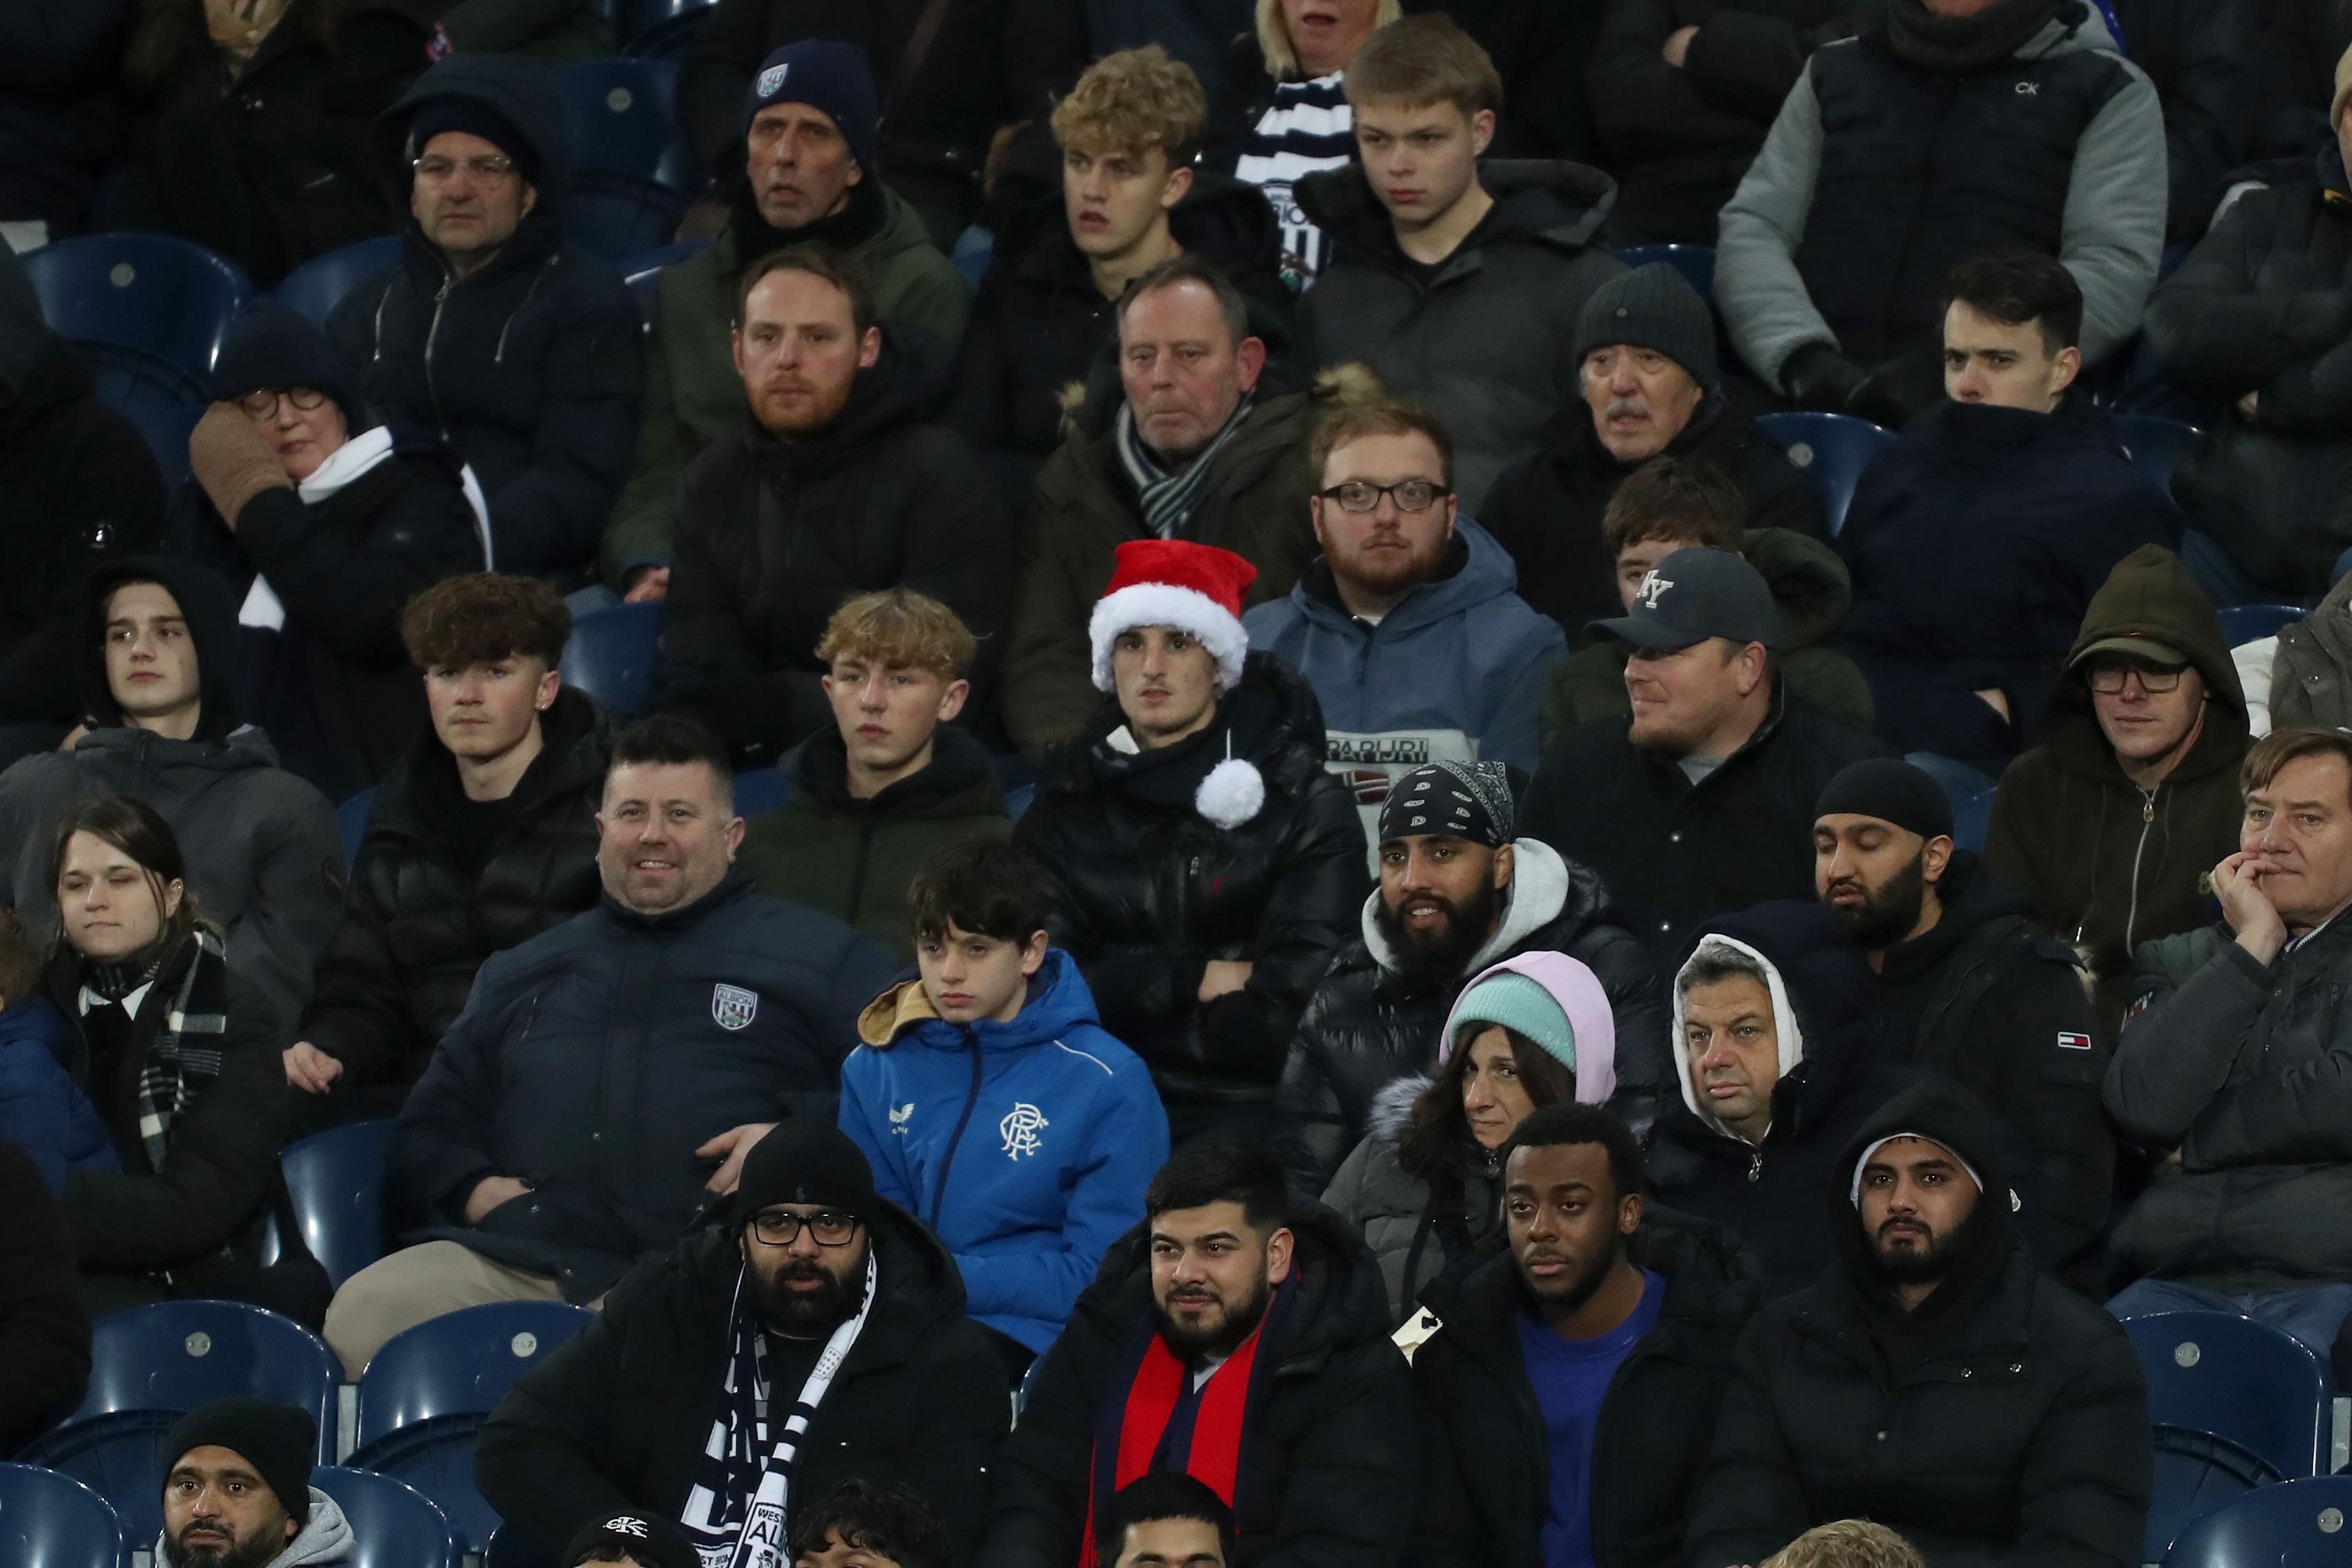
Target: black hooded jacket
(1990,998)
(1330,1452)
(531,365)
(1775,1194)
(1485,1466)
(2003,1421)
(441,883)
(77,487)
(1145,891)
(773,535)
(616,1419)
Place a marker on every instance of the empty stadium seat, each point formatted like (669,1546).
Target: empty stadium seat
(147,311)
(120,1457)
(336,1181)
(658,29)
(623,115)
(1972,819)
(612,654)
(1831,448)
(760,790)
(393,1525)
(2196,1473)
(51,1520)
(2153,446)
(177,1356)
(2302,1524)
(2244,623)
(611,214)
(1959,782)
(2238,1379)
(318,286)
(1695,262)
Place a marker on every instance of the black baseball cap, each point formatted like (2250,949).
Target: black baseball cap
(1695,594)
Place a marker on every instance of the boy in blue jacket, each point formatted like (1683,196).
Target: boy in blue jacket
(42,1109)
(992,1104)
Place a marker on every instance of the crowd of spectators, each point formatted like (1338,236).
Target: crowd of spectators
(1378,931)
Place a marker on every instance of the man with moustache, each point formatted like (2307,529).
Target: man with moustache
(814,1333)
(1233,1336)
(1932,1379)
(1967,986)
(237,1491)
(1569,1399)
(1457,895)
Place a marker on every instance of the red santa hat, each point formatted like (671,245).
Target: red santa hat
(1196,588)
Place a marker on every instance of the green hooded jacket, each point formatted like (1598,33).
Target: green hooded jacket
(1810,586)
(2107,865)
(2311,675)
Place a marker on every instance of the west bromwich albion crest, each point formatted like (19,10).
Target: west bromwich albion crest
(733,1007)
(771,80)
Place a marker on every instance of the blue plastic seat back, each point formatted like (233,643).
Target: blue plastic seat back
(2301,1524)
(437,1457)
(612,216)
(460,1364)
(1695,262)
(351,822)
(623,118)
(2248,1382)
(177,1356)
(1831,448)
(336,1181)
(761,790)
(51,1520)
(121,1457)
(161,296)
(659,29)
(319,284)
(2242,623)
(166,429)
(393,1525)
(1017,801)
(1972,819)
(643,272)
(2196,1472)
(612,655)
(2153,446)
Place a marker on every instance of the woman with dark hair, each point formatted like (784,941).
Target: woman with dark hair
(180,1053)
(1423,1187)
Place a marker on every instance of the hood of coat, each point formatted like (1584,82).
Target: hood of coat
(1941,1112)
(325,1537)
(1058,1002)
(892,391)
(1271,719)
(2150,594)
(919,1284)
(1972,895)
(1711,1278)
(2330,625)
(1592,1025)
(1545,200)
(1820,985)
(521,94)
(1341,1299)
(1550,896)
(576,740)
(1810,585)
(211,615)
(956,782)
(1476,570)
(1221,219)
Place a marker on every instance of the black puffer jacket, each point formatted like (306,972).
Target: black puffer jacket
(1486,1468)
(1146,891)
(773,535)
(60,109)
(2002,1422)
(425,909)
(44,1334)
(531,366)
(2207,60)
(1328,1457)
(2263,305)
(1368,1025)
(617,1419)
(1546,508)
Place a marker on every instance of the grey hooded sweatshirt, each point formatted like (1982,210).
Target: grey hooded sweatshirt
(325,1537)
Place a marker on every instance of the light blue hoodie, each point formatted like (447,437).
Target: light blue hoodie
(1026,1146)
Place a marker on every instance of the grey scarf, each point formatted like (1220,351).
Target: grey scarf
(1168,500)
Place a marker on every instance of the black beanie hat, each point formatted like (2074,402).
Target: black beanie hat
(1891,790)
(269,346)
(808,1162)
(646,1538)
(1653,307)
(279,1441)
(459,111)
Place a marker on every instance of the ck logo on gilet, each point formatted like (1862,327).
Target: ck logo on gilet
(732,1007)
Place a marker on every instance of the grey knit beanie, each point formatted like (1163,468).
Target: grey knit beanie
(1653,307)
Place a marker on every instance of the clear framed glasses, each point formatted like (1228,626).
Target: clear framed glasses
(488,166)
(263,404)
(780,1227)
(1363,496)
(2108,680)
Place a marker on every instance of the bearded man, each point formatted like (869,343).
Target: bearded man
(1225,1338)
(1458,895)
(1970,988)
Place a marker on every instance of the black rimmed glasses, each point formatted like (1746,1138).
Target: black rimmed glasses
(781,1227)
(488,166)
(2109,681)
(1363,496)
(263,404)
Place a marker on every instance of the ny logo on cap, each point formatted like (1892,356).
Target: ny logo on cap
(770,80)
(1653,589)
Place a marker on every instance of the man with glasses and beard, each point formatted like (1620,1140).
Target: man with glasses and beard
(1457,895)
(813,1333)
(1569,1399)
(1235,1337)
(1932,1379)
(1970,988)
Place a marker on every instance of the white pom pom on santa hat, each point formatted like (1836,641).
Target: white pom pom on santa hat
(1233,793)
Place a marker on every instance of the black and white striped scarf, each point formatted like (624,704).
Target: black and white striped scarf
(1168,500)
(184,1057)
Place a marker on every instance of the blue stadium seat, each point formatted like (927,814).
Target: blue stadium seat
(51,1520)
(1959,782)
(177,1356)
(658,29)
(974,248)
(623,118)
(2302,1524)
(760,790)
(351,822)
(120,1457)
(1971,817)
(146,310)
(1831,448)
(167,428)
(319,285)
(2153,446)
(1017,800)
(612,654)
(2196,1472)
(2236,1379)
(611,215)
(336,1181)
(2244,623)
(510,1548)
(642,272)
(393,1525)
(1695,262)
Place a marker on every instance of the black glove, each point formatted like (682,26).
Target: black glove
(1818,377)
(1899,387)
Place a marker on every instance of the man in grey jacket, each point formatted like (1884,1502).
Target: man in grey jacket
(1953,127)
(2230,1057)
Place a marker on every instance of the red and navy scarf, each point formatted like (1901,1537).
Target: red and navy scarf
(1160,1422)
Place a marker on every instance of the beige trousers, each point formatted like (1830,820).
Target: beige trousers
(414,1285)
